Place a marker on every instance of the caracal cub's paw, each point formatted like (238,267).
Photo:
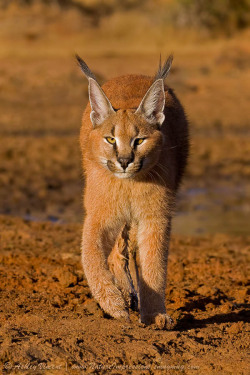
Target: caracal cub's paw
(164,321)
(160,321)
(114,304)
(121,315)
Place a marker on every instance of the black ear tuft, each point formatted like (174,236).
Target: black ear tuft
(163,71)
(84,67)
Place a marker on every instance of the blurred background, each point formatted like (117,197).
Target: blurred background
(43,95)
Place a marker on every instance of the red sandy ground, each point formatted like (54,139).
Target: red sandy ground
(51,325)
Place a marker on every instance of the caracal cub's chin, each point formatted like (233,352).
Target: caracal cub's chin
(134,142)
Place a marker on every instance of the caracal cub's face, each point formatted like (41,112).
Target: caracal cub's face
(126,144)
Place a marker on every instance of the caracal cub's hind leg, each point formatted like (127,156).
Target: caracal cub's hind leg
(132,263)
(100,279)
(119,262)
(153,249)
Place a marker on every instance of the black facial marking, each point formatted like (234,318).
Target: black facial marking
(137,131)
(141,164)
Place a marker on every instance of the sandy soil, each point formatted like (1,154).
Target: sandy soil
(49,322)
(48,317)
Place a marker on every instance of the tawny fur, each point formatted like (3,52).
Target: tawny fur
(139,207)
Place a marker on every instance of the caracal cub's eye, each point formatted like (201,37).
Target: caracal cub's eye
(110,140)
(138,141)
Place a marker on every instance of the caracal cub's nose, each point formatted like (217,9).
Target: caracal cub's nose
(125,161)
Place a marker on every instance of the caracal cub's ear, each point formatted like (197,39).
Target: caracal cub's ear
(153,103)
(100,105)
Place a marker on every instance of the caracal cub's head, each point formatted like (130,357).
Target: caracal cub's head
(127,142)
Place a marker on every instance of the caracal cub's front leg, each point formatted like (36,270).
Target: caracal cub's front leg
(153,251)
(100,279)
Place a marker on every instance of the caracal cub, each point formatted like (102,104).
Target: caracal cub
(134,142)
